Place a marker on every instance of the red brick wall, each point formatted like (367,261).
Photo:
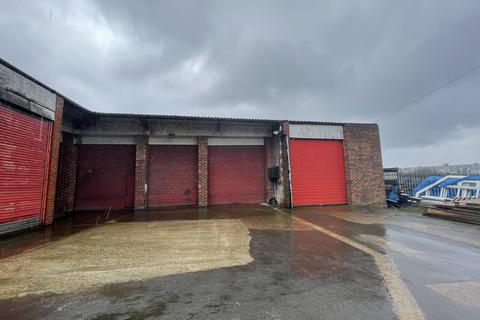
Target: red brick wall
(67,175)
(202,171)
(54,154)
(363,165)
(141,158)
(268,163)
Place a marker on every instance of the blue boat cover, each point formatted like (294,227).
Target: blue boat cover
(455,181)
(394,195)
(425,183)
(450,181)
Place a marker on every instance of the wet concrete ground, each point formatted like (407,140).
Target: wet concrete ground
(199,267)
(438,260)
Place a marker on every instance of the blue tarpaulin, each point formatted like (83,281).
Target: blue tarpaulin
(425,183)
(394,195)
(435,191)
(449,182)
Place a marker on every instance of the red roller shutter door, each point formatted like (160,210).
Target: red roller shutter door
(318,172)
(172,177)
(24,160)
(236,174)
(105,177)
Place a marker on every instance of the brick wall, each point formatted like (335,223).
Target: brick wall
(54,154)
(363,165)
(141,158)
(268,163)
(67,175)
(202,171)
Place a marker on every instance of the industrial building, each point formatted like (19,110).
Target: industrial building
(57,156)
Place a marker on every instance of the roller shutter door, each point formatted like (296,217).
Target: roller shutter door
(172,177)
(105,177)
(24,161)
(236,174)
(318,172)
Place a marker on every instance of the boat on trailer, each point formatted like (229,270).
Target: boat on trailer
(448,188)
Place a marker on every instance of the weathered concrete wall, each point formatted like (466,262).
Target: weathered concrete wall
(316,131)
(279,159)
(111,126)
(269,162)
(18,101)
(185,141)
(106,140)
(20,87)
(219,141)
(363,165)
(283,191)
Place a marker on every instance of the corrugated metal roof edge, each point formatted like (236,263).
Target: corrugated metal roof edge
(181,117)
(327,123)
(159,116)
(207,118)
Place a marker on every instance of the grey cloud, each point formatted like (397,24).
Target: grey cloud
(324,60)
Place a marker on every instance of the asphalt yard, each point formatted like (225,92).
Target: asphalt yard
(243,262)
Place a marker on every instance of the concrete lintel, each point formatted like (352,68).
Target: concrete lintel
(233,141)
(22,102)
(172,141)
(107,140)
(313,131)
(16,82)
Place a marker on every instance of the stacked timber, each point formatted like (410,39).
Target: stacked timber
(462,210)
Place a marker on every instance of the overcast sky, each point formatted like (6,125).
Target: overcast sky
(346,61)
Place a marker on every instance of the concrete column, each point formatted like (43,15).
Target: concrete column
(268,142)
(54,154)
(202,171)
(67,175)
(285,167)
(141,171)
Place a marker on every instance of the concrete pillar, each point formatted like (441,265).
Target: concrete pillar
(141,169)
(268,142)
(53,166)
(285,166)
(202,171)
(67,175)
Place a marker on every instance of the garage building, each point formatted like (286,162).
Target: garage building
(73,159)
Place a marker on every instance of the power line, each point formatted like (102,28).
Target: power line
(429,93)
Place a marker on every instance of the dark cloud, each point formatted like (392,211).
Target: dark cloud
(324,60)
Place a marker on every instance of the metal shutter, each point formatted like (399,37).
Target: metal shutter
(318,172)
(172,176)
(236,174)
(24,162)
(105,177)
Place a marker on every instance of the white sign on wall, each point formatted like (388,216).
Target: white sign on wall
(314,131)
